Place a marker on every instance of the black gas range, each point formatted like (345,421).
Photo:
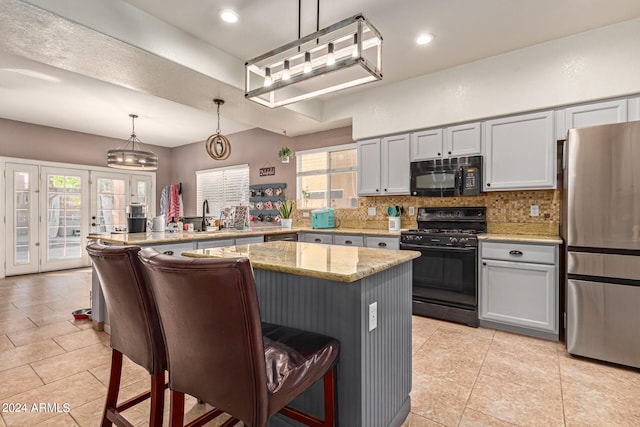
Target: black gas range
(445,276)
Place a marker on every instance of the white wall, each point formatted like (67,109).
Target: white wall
(597,64)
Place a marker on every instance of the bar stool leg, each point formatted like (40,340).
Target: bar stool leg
(113,388)
(176,409)
(157,399)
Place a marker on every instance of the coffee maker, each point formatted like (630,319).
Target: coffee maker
(137,218)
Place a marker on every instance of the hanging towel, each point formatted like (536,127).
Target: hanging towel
(174,203)
(164,202)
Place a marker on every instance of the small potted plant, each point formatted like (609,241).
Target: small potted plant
(285,153)
(285,209)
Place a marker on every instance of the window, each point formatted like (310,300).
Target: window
(327,177)
(222,187)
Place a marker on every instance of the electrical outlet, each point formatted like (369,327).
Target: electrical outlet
(412,210)
(373,316)
(372,211)
(305,214)
(535,210)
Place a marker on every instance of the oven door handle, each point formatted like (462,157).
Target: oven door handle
(411,247)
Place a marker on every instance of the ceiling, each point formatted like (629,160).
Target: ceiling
(68,69)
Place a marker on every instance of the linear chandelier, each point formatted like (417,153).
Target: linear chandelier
(343,55)
(133,158)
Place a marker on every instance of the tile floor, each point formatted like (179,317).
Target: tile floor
(461,376)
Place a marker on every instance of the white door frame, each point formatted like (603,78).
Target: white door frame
(90,169)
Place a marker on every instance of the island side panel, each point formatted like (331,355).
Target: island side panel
(387,349)
(374,373)
(325,307)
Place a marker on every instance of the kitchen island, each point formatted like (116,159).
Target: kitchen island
(330,289)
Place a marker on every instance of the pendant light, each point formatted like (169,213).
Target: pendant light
(345,54)
(134,158)
(217,145)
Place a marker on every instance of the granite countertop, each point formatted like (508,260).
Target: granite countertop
(158,237)
(363,231)
(523,238)
(338,263)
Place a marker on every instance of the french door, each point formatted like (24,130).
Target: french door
(45,225)
(22,240)
(111,193)
(64,199)
(50,209)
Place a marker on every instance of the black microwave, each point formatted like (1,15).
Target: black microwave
(456,176)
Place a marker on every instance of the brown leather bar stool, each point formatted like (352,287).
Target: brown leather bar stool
(135,328)
(219,351)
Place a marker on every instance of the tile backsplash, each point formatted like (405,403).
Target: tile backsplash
(508,212)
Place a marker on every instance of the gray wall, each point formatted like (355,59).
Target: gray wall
(35,142)
(257,147)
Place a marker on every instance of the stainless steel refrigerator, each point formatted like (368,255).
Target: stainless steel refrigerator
(601,230)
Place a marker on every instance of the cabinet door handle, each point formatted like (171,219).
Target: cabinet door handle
(439,154)
(449,152)
(514,252)
(348,242)
(484,263)
(488,184)
(382,244)
(377,190)
(168,252)
(317,240)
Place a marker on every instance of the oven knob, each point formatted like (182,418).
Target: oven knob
(453,240)
(463,241)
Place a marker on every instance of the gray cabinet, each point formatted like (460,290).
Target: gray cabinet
(426,144)
(592,114)
(462,140)
(453,141)
(326,239)
(348,240)
(369,241)
(519,288)
(382,242)
(520,152)
(175,249)
(383,166)
(217,243)
(249,240)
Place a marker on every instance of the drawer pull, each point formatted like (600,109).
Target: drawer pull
(382,244)
(517,253)
(317,240)
(168,252)
(348,242)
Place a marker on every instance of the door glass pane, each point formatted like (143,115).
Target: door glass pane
(111,200)
(22,212)
(64,200)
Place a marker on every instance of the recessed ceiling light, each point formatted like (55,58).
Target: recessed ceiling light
(228,15)
(425,39)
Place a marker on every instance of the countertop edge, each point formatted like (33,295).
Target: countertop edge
(523,238)
(399,257)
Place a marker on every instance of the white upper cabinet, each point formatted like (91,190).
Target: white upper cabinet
(384,166)
(594,114)
(369,173)
(633,112)
(520,152)
(453,141)
(396,164)
(426,144)
(462,140)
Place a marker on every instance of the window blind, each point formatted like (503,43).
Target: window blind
(222,187)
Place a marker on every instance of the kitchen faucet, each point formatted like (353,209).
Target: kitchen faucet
(205,210)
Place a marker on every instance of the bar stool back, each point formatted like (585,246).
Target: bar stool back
(135,328)
(219,351)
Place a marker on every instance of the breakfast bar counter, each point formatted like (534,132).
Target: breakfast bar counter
(362,297)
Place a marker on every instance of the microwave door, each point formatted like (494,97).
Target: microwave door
(459,182)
